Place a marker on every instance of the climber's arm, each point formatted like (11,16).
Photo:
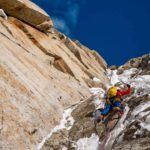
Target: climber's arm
(125,92)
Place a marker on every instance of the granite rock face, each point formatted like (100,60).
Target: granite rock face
(28,12)
(141,63)
(40,75)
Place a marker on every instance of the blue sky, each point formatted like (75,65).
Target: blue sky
(117,29)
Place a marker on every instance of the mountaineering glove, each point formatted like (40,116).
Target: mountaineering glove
(128,85)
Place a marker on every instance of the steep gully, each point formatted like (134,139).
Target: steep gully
(138,113)
(82,136)
(109,138)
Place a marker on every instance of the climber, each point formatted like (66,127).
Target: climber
(113,100)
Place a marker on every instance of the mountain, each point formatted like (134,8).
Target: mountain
(50,85)
(42,72)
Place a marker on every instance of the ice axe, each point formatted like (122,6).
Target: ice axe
(121,83)
(127,84)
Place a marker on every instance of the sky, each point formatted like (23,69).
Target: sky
(117,29)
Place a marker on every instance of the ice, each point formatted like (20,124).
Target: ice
(138,132)
(91,143)
(140,108)
(140,83)
(97,91)
(142,114)
(96,79)
(98,97)
(145,126)
(113,77)
(125,77)
(148,119)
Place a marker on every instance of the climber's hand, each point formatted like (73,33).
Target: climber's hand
(128,85)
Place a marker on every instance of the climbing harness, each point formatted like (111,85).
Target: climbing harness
(110,123)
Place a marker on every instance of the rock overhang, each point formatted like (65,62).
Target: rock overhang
(28,12)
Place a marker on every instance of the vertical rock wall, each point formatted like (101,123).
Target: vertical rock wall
(40,75)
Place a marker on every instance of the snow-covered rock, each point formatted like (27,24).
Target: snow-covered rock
(91,143)
(136,134)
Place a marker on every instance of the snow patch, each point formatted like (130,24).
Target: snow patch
(113,77)
(91,143)
(145,125)
(126,75)
(138,132)
(148,119)
(143,114)
(140,83)
(98,97)
(66,122)
(140,108)
(97,91)
(64,148)
(96,80)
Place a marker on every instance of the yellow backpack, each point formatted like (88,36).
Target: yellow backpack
(112,92)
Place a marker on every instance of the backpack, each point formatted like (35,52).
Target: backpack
(112,92)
